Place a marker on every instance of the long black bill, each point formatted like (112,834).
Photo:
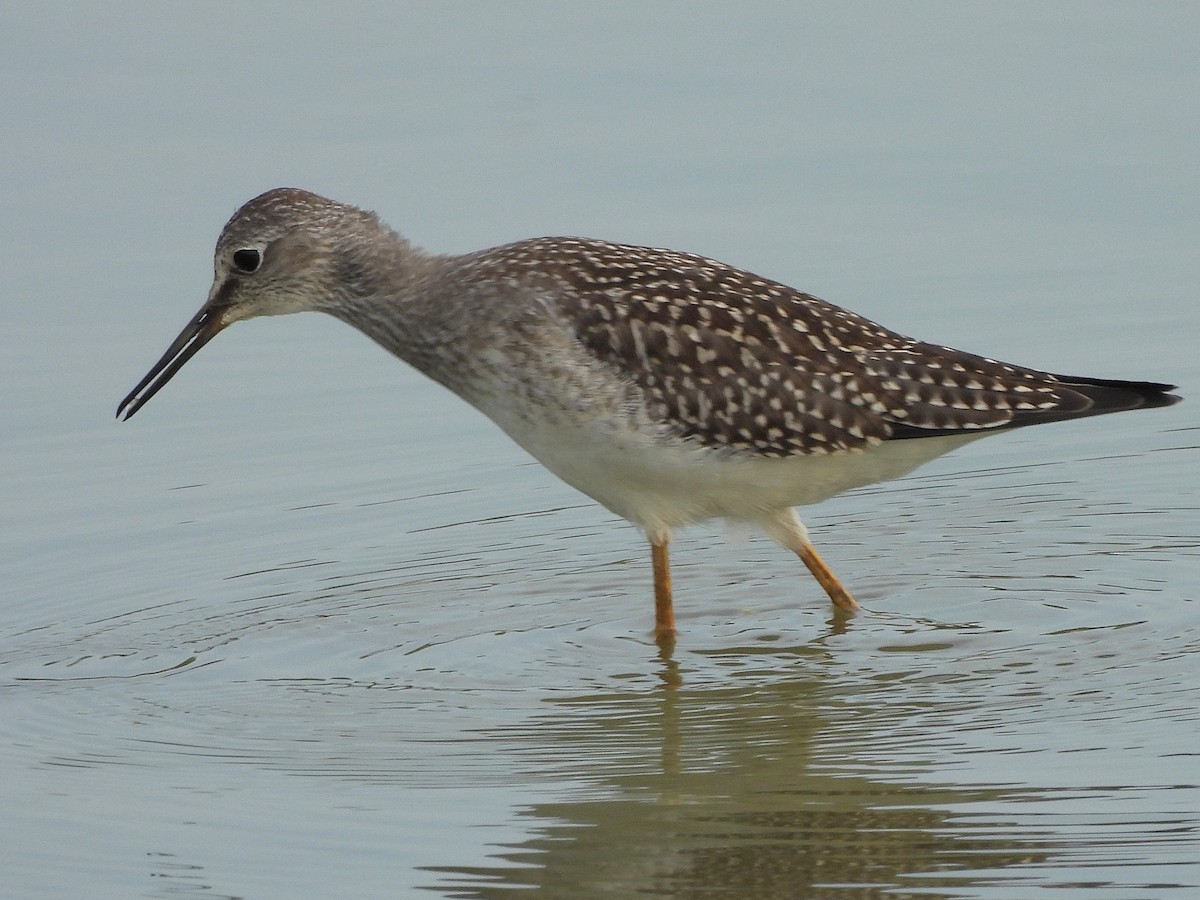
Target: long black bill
(198,332)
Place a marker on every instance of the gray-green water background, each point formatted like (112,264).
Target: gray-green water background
(308,626)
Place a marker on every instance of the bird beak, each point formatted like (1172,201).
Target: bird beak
(203,328)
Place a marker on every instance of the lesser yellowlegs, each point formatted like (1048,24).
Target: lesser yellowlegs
(668,387)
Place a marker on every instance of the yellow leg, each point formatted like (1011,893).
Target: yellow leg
(837,593)
(664,608)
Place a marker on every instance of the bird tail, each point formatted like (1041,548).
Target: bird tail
(1111,395)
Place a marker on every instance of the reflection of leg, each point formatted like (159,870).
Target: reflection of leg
(664,609)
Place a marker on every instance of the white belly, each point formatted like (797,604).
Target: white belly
(586,425)
(664,485)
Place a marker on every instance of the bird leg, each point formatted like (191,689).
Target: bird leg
(664,609)
(837,593)
(788,531)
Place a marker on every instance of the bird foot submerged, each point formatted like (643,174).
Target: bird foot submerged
(664,602)
(664,607)
(833,587)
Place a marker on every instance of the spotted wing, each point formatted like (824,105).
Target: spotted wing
(744,363)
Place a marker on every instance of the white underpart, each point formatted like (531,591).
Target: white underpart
(661,485)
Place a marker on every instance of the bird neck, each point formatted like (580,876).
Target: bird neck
(397,296)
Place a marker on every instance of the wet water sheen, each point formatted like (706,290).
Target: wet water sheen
(308,627)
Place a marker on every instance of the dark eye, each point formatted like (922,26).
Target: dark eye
(247,260)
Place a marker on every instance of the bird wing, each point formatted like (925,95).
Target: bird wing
(739,362)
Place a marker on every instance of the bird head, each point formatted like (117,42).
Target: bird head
(285,251)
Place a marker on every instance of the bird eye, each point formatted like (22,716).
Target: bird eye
(247,260)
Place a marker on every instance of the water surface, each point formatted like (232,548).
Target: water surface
(309,627)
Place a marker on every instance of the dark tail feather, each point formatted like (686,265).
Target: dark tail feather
(1079,396)
(1105,395)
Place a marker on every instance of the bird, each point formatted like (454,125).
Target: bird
(669,387)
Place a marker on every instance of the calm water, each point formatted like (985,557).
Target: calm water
(309,627)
